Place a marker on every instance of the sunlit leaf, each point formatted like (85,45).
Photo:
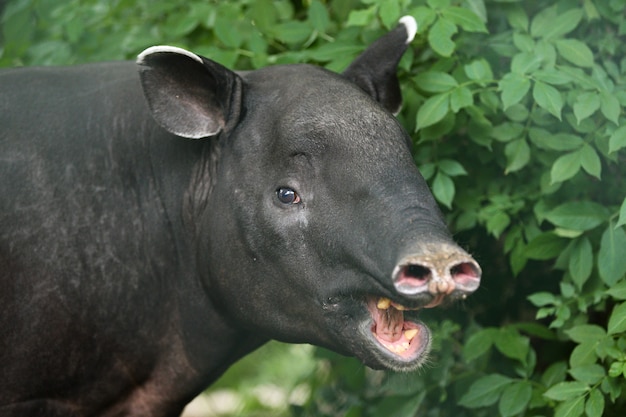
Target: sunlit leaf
(586,333)
(517,154)
(460,98)
(566,390)
(574,407)
(575,51)
(617,140)
(610,107)
(590,161)
(440,37)
(433,110)
(589,374)
(586,104)
(464,18)
(513,88)
(435,81)
(548,98)
(581,261)
(595,404)
(565,167)
(443,189)
(578,215)
(551,24)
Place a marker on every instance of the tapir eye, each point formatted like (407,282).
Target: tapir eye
(287,196)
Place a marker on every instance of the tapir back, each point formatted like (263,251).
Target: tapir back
(84,242)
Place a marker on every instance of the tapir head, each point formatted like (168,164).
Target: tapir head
(316,225)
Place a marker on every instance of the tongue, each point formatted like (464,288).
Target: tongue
(389,324)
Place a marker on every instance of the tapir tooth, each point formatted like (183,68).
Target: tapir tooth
(398,306)
(383,303)
(410,334)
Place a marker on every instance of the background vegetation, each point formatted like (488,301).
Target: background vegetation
(517,112)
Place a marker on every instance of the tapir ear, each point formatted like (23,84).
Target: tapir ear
(189,95)
(375,69)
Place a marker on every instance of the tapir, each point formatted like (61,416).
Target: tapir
(162,218)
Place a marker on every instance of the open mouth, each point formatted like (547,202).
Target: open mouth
(403,342)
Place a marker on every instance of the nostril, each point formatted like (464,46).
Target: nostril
(413,275)
(465,274)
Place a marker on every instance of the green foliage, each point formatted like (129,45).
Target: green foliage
(517,113)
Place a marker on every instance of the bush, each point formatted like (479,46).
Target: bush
(517,112)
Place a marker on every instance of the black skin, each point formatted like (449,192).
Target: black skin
(103,308)
(136,265)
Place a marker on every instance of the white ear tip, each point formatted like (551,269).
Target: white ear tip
(170,49)
(411,27)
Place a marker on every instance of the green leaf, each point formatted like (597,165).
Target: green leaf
(460,98)
(550,24)
(590,161)
(541,299)
(565,167)
(622,215)
(390,13)
(293,32)
(548,98)
(517,155)
(611,259)
(433,110)
(362,17)
(575,52)
(617,320)
(574,407)
(479,70)
(440,37)
(524,42)
(464,18)
(555,373)
(507,131)
(589,374)
(581,261)
(584,354)
(545,246)
(512,344)
(478,344)
(557,142)
(515,398)
(618,291)
(586,104)
(435,82)
(595,404)
(586,333)
(552,76)
(577,215)
(610,107)
(525,62)
(497,223)
(566,390)
(318,16)
(451,168)
(443,189)
(617,140)
(264,14)
(485,391)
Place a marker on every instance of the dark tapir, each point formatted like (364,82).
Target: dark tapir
(137,264)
